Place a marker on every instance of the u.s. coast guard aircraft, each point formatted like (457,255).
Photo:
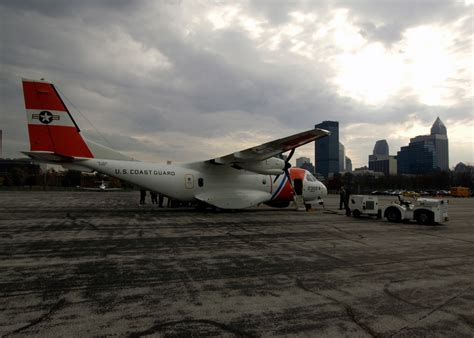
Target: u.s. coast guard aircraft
(239,180)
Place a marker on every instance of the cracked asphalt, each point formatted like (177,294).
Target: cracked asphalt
(90,264)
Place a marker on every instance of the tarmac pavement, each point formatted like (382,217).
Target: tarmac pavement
(85,263)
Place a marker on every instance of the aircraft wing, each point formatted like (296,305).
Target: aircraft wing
(99,189)
(89,189)
(272,148)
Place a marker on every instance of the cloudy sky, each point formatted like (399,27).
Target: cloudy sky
(189,80)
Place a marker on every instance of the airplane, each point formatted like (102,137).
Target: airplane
(101,187)
(243,179)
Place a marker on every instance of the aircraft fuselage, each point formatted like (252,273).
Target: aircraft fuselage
(185,184)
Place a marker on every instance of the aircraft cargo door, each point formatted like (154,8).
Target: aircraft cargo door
(298,184)
(189,181)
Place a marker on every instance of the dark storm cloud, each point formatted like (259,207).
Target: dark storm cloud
(55,8)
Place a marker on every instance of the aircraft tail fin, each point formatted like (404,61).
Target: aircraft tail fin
(52,129)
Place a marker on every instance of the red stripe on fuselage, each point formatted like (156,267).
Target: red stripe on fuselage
(58,139)
(287,192)
(39,95)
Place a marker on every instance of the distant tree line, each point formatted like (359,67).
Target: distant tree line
(441,180)
(25,174)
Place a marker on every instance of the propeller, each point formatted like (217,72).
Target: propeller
(287,166)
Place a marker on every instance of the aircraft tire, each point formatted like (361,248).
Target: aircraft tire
(393,215)
(424,217)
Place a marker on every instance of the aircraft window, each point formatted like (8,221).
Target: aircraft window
(264,181)
(200,182)
(310,178)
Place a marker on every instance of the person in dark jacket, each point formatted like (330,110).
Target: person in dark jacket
(154,196)
(142,196)
(348,196)
(342,198)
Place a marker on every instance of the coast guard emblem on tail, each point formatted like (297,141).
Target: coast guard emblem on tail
(45,117)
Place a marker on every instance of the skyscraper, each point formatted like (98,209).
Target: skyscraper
(425,153)
(380,149)
(348,164)
(419,157)
(301,160)
(327,149)
(439,136)
(342,157)
(381,161)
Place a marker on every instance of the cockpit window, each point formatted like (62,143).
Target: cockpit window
(310,178)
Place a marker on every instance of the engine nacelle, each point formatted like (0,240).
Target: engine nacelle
(270,166)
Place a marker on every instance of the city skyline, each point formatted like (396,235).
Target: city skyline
(185,81)
(425,153)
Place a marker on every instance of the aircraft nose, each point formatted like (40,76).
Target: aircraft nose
(324,189)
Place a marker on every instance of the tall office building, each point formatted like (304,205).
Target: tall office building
(439,135)
(342,157)
(419,157)
(308,166)
(383,164)
(381,161)
(380,149)
(425,153)
(301,160)
(305,163)
(348,164)
(327,150)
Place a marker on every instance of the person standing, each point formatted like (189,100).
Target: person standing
(342,198)
(348,196)
(154,196)
(142,196)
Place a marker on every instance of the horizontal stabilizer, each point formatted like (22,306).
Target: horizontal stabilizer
(47,156)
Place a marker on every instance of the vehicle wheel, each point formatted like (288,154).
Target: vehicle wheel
(356,213)
(423,217)
(393,215)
